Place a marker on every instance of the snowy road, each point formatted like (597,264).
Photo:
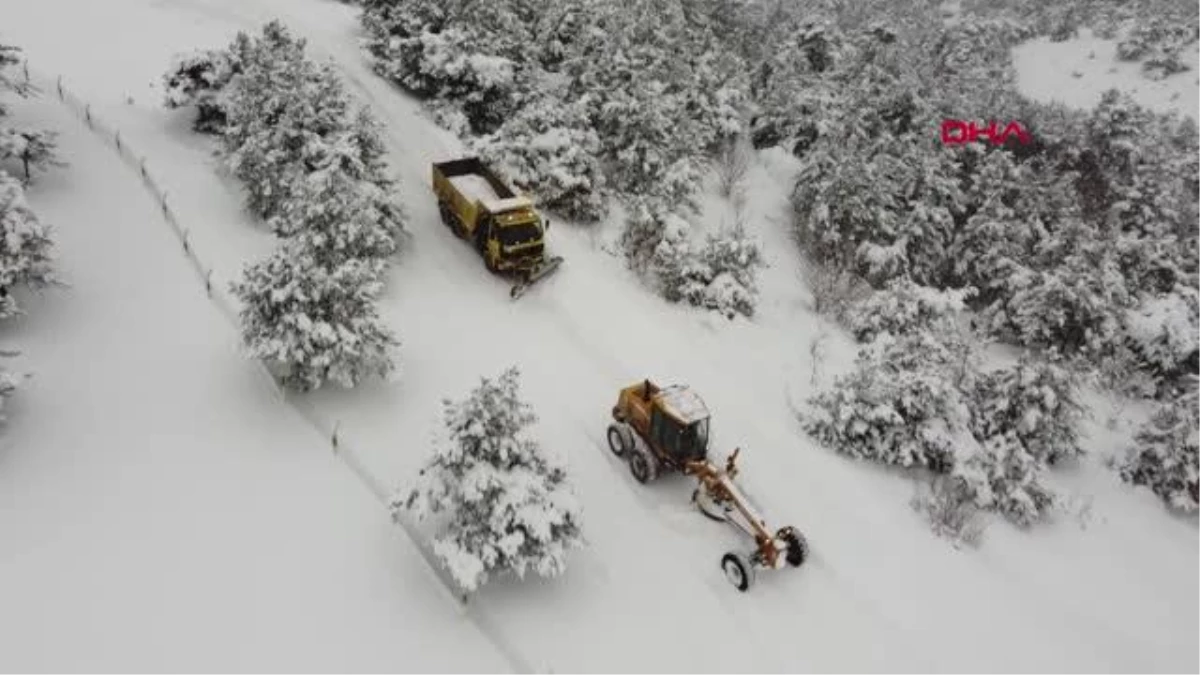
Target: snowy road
(881,592)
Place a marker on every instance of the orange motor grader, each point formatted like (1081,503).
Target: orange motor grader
(660,429)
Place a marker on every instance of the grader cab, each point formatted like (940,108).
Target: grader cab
(667,428)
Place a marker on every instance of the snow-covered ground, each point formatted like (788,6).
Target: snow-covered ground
(168,513)
(161,510)
(1077,72)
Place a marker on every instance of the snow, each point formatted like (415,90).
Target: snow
(474,187)
(1077,72)
(509,204)
(160,509)
(683,403)
(154,488)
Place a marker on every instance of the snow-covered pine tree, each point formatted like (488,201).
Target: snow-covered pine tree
(9,81)
(36,150)
(25,246)
(548,149)
(1032,403)
(1166,453)
(282,110)
(999,474)
(902,405)
(315,321)
(731,259)
(1165,334)
(904,307)
(200,79)
(508,505)
(337,216)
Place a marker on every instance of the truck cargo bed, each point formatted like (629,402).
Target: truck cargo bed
(474,187)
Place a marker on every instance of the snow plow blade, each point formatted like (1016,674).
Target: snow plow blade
(548,267)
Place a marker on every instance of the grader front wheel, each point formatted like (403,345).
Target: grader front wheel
(617,440)
(738,571)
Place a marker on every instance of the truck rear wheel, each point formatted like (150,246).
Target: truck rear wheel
(449,219)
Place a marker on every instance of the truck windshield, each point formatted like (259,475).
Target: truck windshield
(511,235)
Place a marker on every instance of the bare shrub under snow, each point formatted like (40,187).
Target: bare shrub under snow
(949,506)
(732,162)
(507,500)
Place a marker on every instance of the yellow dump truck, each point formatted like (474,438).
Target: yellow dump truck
(504,227)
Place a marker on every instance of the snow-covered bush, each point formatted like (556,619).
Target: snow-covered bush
(36,150)
(918,401)
(904,307)
(1166,454)
(902,405)
(1000,475)
(199,79)
(720,274)
(729,263)
(508,505)
(1165,332)
(1033,404)
(315,321)
(25,246)
(1071,298)
(650,89)
(1158,43)
(549,149)
(468,53)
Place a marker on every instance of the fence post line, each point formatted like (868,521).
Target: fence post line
(187,248)
(163,200)
(208,283)
(334,438)
(26,69)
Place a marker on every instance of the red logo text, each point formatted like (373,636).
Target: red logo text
(957,132)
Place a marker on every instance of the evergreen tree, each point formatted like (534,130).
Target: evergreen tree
(1166,453)
(25,247)
(36,150)
(283,109)
(508,504)
(314,319)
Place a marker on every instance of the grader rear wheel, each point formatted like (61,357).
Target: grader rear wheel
(642,465)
